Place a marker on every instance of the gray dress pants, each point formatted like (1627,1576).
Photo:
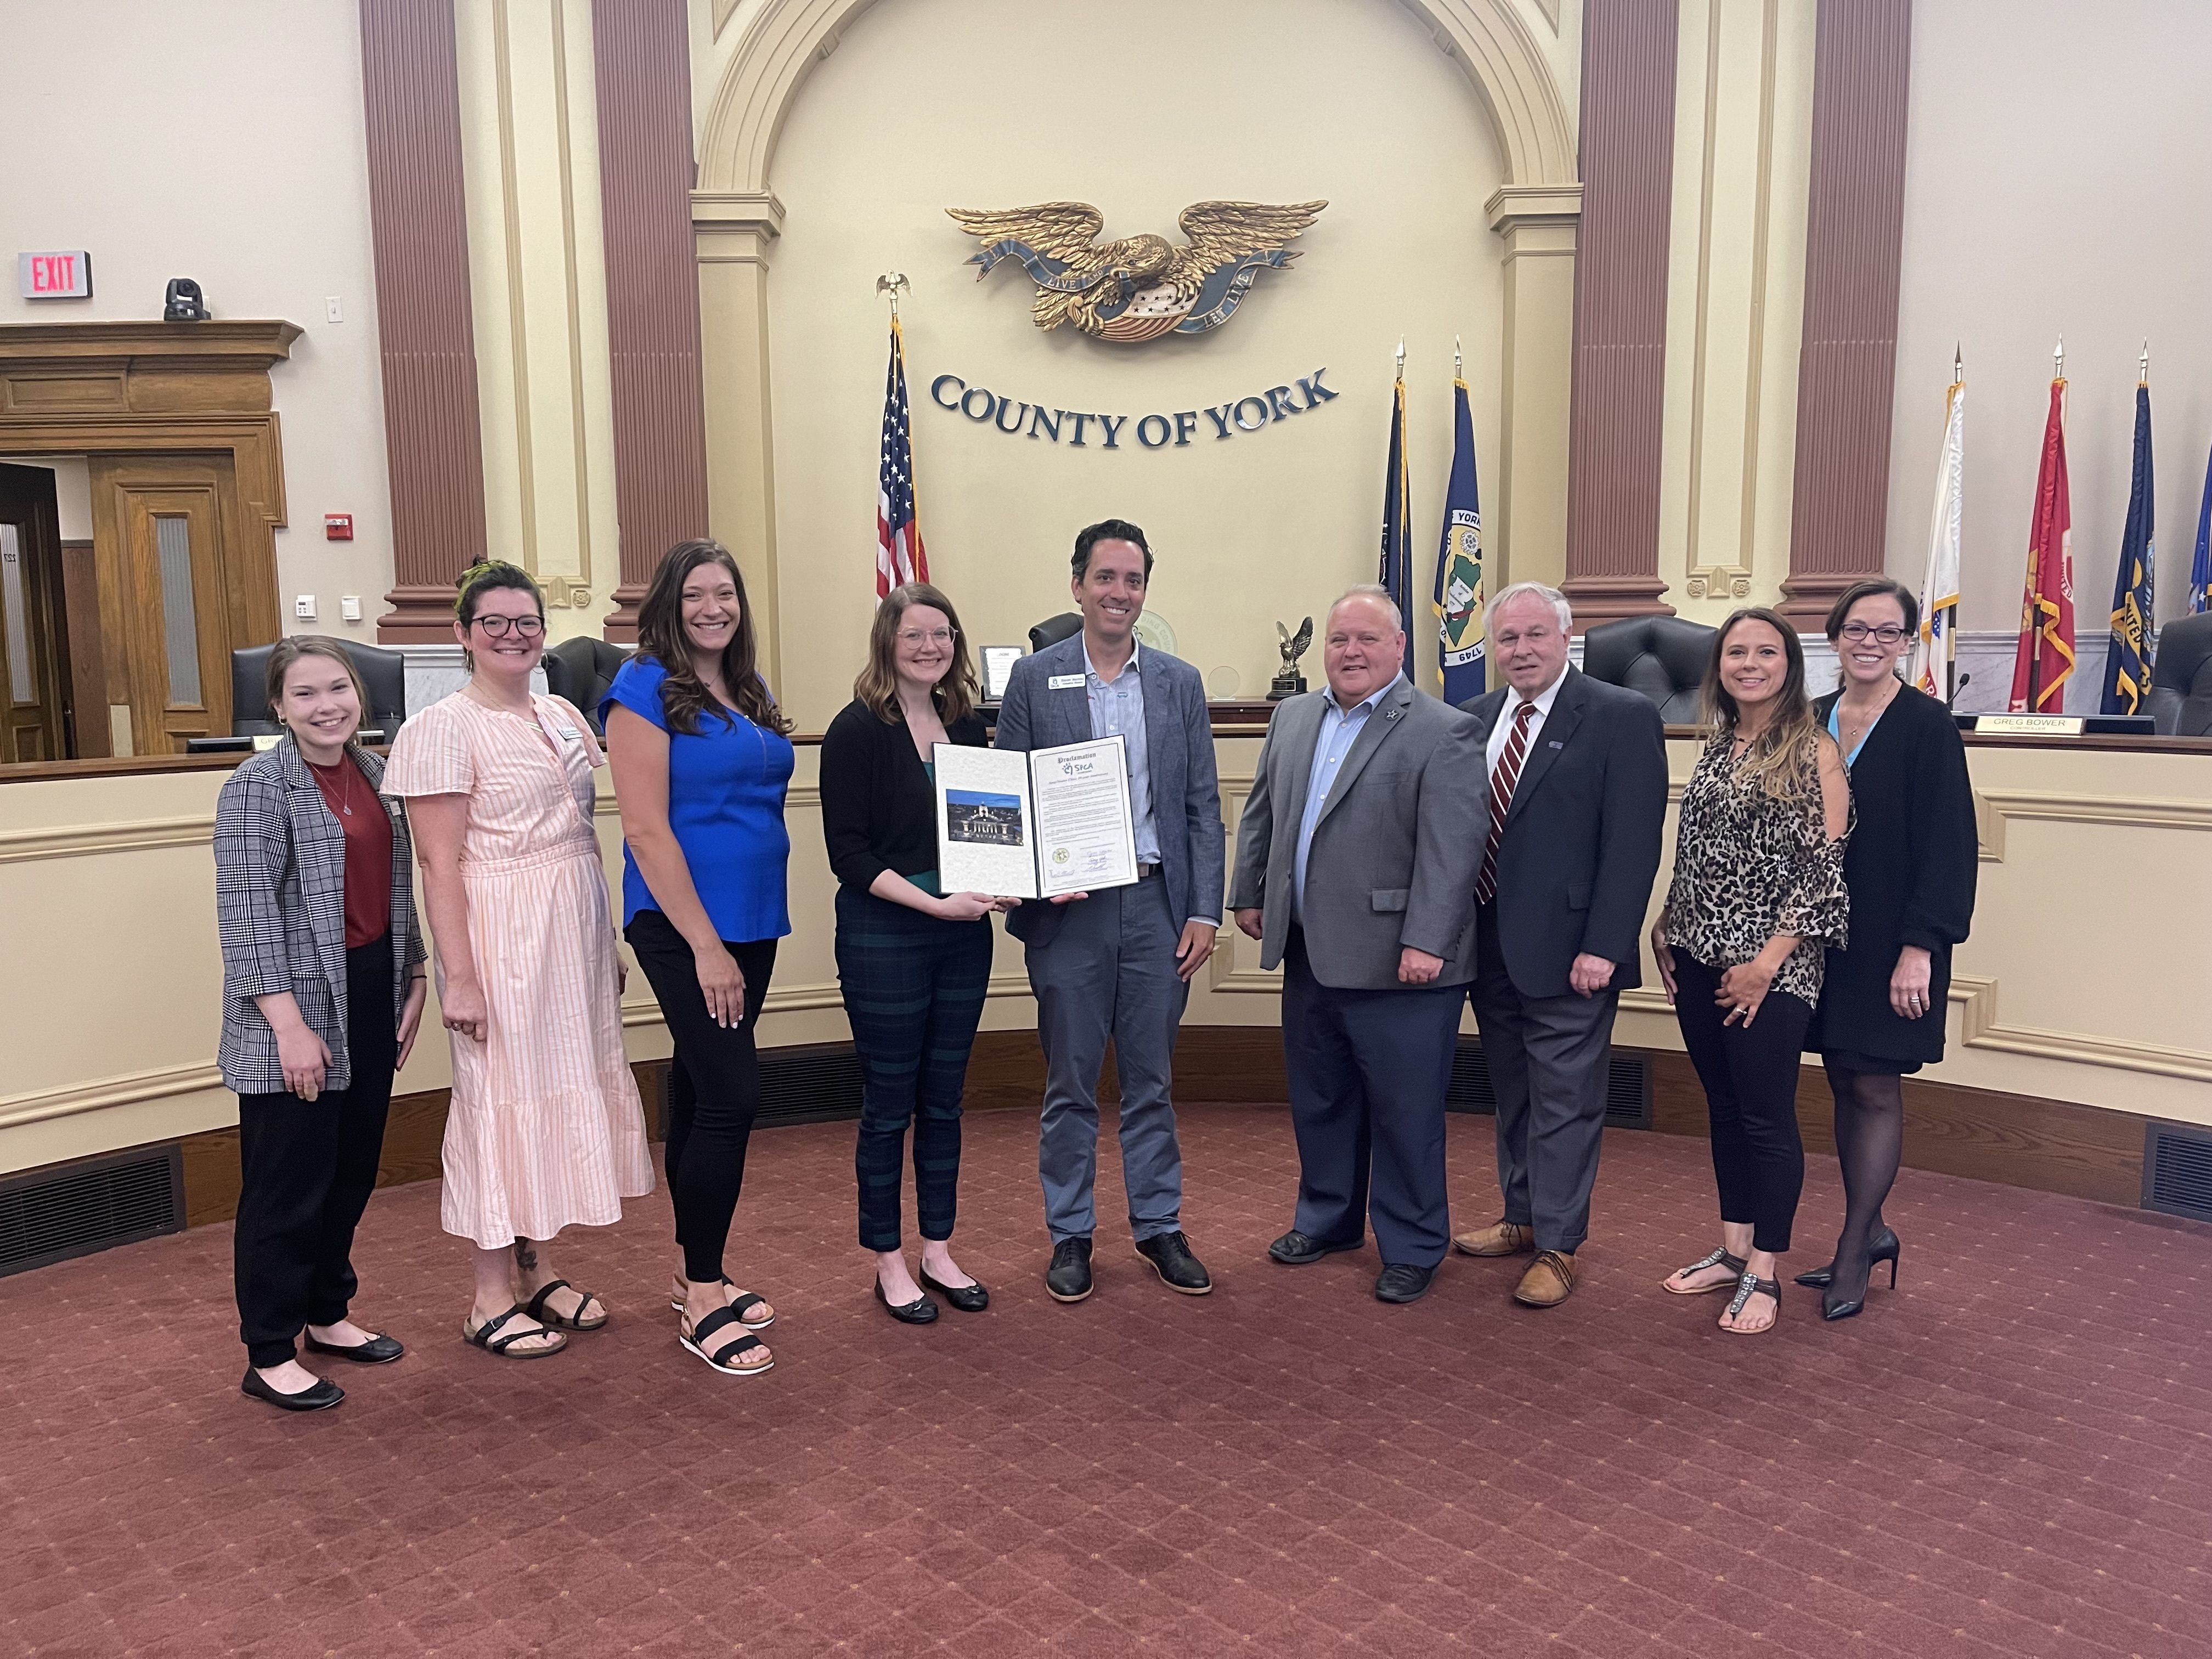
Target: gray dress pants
(1110,972)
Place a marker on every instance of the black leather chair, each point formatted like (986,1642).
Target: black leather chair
(1662,656)
(1053,629)
(2181,679)
(581,670)
(383,676)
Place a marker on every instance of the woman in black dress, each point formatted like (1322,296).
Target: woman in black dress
(1909,870)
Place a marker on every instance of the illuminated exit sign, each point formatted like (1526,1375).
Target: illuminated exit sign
(62,275)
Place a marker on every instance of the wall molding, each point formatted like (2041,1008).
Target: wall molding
(124,1089)
(69,840)
(1981,1029)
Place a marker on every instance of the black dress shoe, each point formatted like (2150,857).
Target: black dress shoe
(968,1299)
(1295,1248)
(378,1350)
(1179,1270)
(1400,1282)
(324,1394)
(920,1311)
(1883,1247)
(1068,1279)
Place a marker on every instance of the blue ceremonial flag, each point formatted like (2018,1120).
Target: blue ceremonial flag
(2200,570)
(1458,596)
(2127,658)
(1396,574)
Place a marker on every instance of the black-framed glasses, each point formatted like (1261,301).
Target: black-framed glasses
(527,628)
(1888,634)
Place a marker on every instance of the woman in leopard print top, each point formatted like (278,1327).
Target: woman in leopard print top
(1757,899)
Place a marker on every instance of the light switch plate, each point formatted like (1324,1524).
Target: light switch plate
(350,607)
(303,608)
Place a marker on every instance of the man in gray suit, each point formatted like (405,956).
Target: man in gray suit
(1577,775)
(1355,869)
(1118,963)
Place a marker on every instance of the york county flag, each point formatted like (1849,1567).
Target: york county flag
(2200,568)
(1458,596)
(2127,658)
(899,556)
(1396,574)
(1929,665)
(2044,660)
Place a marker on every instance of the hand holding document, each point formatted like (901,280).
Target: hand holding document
(1048,823)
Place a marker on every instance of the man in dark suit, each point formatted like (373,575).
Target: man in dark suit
(1118,963)
(1355,867)
(1578,773)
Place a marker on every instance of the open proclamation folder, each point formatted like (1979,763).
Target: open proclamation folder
(1035,824)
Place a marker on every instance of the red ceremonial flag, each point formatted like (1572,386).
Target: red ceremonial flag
(2045,660)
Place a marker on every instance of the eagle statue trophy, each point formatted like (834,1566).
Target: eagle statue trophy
(1138,288)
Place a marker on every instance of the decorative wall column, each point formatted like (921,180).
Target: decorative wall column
(1538,225)
(1620,310)
(1853,239)
(419,229)
(646,173)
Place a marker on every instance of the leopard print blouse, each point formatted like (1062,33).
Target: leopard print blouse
(1748,866)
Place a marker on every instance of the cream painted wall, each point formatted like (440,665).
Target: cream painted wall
(224,143)
(1265,525)
(530,155)
(1736,301)
(2056,181)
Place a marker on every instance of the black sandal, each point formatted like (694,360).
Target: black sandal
(486,1336)
(1719,1258)
(744,1301)
(719,1357)
(545,1315)
(1748,1286)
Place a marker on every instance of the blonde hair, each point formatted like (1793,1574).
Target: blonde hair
(877,686)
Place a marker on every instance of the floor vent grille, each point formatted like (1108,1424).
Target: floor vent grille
(2178,1171)
(810,1083)
(1627,1094)
(54,1214)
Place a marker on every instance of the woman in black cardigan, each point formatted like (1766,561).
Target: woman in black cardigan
(914,964)
(1910,871)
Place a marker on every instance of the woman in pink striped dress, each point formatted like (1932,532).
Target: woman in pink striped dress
(545,1130)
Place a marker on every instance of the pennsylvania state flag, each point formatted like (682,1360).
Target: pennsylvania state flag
(1458,596)
(2127,658)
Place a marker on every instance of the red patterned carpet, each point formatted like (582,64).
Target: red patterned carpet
(2009,1456)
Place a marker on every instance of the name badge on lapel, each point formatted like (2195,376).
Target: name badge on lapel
(1558,743)
(570,734)
(1064,682)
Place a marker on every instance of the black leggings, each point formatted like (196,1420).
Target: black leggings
(305,1170)
(1750,1075)
(714,1086)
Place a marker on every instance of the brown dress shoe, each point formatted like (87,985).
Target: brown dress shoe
(1548,1282)
(1499,1239)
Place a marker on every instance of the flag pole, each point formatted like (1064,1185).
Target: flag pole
(2142,364)
(1459,368)
(1951,634)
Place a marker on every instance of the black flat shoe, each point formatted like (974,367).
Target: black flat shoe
(378,1350)
(1401,1282)
(920,1311)
(1179,1270)
(1295,1248)
(1884,1247)
(1068,1278)
(324,1394)
(968,1299)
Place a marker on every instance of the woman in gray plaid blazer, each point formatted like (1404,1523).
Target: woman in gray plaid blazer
(323,989)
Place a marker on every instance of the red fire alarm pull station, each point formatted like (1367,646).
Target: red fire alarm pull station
(338,526)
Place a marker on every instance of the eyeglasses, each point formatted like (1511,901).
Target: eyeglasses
(1888,634)
(911,636)
(527,628)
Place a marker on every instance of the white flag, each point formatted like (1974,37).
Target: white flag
(1928,666)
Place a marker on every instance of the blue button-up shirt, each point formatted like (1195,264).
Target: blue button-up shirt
(1117,709)
(1339,729)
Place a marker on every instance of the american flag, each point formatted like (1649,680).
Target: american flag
(899,556)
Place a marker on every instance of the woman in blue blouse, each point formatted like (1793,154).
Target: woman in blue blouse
(700,763)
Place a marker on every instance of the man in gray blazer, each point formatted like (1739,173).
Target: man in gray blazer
(1118,963)
(1577,775)
(1355,870)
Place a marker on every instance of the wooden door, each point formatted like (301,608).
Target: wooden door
(34,648)
(158,528)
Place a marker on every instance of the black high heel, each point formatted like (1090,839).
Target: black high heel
(1884,1249)
(1833,1307)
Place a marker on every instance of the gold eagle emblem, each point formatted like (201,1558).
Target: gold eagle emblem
(1138,288)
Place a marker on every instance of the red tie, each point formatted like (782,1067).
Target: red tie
(1501,797)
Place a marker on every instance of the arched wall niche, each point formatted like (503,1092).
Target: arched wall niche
(1532,213)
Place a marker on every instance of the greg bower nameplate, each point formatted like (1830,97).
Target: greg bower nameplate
(1079,428)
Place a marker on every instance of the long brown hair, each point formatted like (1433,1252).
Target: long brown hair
(660,636)
(1782,760)
(877,684)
